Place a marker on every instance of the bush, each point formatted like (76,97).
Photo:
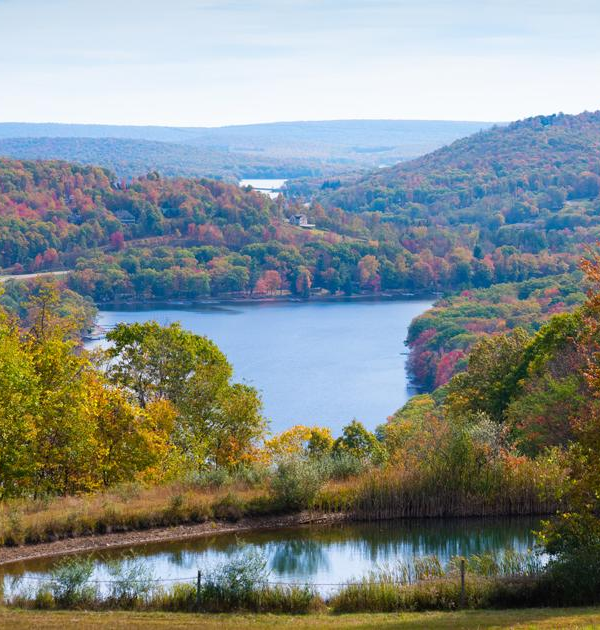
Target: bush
(131,581)
(69,584)
(342,465)
(251,475)
(232,583)
(297,482)
(212,478)
(229,508)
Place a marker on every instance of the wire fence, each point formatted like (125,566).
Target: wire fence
(191,579)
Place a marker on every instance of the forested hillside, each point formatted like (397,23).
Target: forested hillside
(129,158)
(441,338)
(162,238)
(533,164)
(507,204)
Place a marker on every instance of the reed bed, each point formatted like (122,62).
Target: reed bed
(507,579)
(394,491)
(491,490)
(294,600)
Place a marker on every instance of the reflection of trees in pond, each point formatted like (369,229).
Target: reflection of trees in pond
(325,549)
(182,559)
(389,540)
(300,557)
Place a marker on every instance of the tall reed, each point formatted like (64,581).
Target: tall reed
(492,489)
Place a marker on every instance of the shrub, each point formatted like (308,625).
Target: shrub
(251,475)
(229,508)
(69,583)
(231,584)
(342,465)
(131,581)
(212,478)
(297,482)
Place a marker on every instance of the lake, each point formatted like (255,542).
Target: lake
(315,362)
(270,187)
(321,555)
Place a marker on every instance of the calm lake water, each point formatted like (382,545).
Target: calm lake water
(321,555)
(314,362)
(270,187)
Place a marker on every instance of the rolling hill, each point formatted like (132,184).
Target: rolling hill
(129,158)
(304,148)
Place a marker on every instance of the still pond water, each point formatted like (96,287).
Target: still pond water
(321,555)
(314,362)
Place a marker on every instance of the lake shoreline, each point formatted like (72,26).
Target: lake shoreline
(271,299)
(116,540)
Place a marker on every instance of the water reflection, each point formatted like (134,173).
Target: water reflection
(324,554)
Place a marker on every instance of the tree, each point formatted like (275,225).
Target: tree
(572,538)
(156,362)
(269,282)
(368,268)
(488,383)
(19,400)
(117,241)
(217,422)
(303,282)
(359,442)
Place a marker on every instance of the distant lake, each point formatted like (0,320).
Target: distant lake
(270,187)
(314,362)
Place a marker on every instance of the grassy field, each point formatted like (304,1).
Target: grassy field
(530,618)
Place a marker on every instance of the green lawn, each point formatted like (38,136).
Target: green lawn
(551,618)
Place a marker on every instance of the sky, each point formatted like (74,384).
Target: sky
(218,62)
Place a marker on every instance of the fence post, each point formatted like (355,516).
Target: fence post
(198,589)
(462,582)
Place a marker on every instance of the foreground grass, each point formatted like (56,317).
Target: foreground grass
(481,619)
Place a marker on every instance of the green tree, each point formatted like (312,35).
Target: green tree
(359,442)
(488,384)
(217,421)
(156,362)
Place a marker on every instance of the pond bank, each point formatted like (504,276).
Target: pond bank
(9,555)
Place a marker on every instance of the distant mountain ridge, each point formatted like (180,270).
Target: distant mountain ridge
(322,146)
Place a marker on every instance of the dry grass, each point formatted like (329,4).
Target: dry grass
(543,619)
(377,494)
(494,490)
(126,508)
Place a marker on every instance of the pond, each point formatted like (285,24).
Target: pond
(315,362)
(321,555)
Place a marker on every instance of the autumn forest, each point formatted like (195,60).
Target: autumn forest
(499,228)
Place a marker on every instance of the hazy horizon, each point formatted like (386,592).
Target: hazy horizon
(266,122)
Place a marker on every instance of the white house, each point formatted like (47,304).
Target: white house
(301,220)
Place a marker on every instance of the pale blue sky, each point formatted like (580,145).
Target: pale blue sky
(213,62)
